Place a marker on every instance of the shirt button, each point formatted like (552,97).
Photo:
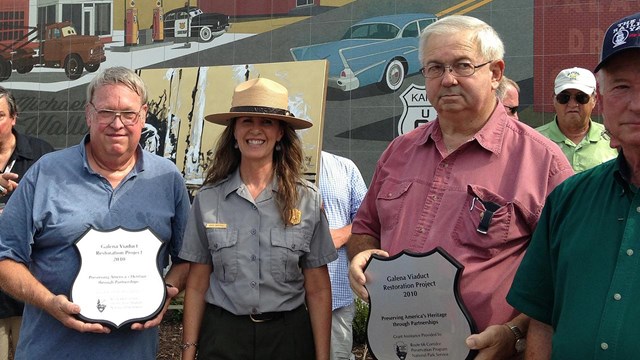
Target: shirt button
(617,296)
(629,252)
(253,231)
(253,258)
(254,207)
(638,209)
(253,284)
(604,346)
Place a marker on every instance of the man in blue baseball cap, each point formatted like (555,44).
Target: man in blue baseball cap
(579,280)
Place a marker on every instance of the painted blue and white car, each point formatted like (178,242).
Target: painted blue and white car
(381,50)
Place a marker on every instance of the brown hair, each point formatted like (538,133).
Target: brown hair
(287,165)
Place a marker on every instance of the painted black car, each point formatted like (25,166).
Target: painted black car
(191,21)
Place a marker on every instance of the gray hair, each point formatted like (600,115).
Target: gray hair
(11,101)
(504,84)
(118,75)
(484,36)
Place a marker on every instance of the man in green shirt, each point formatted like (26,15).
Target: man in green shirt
(581,139)
(579,280)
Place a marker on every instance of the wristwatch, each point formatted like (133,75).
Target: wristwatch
(521,341)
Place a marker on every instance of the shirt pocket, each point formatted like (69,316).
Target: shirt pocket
(484,222)
(224,253)
(287,247)
(390,201)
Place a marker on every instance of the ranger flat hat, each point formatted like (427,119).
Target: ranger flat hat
(260,97)
(621,35)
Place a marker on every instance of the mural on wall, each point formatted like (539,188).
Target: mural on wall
(180,98)
(190,21)
(373,93)
(380,50)
(56,45)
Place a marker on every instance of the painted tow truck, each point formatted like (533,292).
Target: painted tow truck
(381,50)
(56,46)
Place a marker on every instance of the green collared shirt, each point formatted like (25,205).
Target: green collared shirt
(580,273)
(593,150)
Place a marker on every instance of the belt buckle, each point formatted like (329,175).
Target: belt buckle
(257,320)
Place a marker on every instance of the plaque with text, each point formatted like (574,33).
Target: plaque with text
(416,311)
(119,281)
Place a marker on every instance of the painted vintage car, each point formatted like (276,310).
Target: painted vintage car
(381,50)
(191,21)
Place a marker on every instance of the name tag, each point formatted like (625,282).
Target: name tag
(215,226)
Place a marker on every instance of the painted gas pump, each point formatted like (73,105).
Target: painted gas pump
(158,22)
(131,26)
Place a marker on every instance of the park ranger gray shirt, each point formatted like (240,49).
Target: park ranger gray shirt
(257,262)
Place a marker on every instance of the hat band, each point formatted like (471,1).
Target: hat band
(261,110)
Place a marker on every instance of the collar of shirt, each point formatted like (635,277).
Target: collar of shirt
(22,149)
(234,183)
(622,175)
(593,135)
(554,131)
(490,136)
(138,168)
(596,133)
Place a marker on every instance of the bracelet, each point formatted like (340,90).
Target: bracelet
(185,346)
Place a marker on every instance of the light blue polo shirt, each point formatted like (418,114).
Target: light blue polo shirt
(58,200)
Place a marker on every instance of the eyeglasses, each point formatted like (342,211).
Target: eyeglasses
(580,97)
(106,116)
(512,109)
(460,69)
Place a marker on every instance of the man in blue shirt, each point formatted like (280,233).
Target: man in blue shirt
(342,190)
(105,182)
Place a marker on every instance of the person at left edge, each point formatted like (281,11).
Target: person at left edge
(258,286)
(105,182)
(17,153)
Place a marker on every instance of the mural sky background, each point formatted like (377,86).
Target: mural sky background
(358,124)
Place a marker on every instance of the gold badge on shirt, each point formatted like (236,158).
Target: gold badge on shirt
(296,217)
(215,226)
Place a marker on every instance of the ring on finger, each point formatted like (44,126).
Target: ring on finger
(2,189)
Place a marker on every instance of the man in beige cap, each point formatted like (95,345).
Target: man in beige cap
(582,140)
